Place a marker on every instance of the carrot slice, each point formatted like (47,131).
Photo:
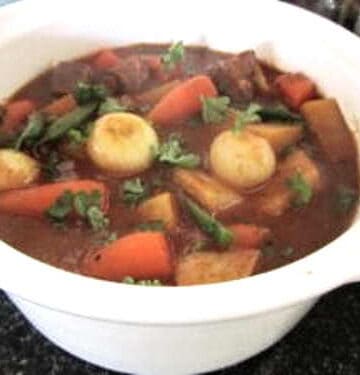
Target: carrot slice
(35,201)
(142,255)
(61,106)
(295,88)
(106,59)
(249,236)
(16,113)
(183,101)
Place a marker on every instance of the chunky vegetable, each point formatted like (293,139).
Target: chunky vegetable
(161,207)
(32,131)
(212,267)
(249,236)
(206,190)
(15,114)
(242,159)
(61,106)
(122,144)
(141,255)
(36,201)
(327,123)
(295,89)
(209,224)
(17,170)
(153,96)
(106,59)
(183,101)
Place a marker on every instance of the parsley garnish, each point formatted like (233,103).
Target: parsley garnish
(301,188)
(86,93)
(130,280)
(50,169)
(85,205)
(249,115)
(172,153)
(215,110)
(134,191)
(174,55)
(346,198)
(110,105)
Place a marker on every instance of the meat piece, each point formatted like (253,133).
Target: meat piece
(131,73)
(66,75)
(212,267)
(239,76)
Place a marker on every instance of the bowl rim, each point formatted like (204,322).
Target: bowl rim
(199,304)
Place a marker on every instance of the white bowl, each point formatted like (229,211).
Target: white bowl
(180,330)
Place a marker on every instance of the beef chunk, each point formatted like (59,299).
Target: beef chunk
(239,76)
(132,73)
(67,74)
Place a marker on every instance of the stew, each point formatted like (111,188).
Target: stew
(173,165)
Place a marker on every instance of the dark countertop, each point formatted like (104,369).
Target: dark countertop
(326,342)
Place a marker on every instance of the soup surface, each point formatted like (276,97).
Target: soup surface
(166,165)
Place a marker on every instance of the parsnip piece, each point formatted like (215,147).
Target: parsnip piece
(243,159)
(212,267)
(327,123)
(277,197)
(122,144)
(161,207)
(206,190)
(278,135)
(17,170)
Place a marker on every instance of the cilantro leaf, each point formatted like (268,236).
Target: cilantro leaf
(134,191)
(249,115)
(346,198)
(86,93)
(215,110)
(301,188)
(172,153)
(174,55)
(110,105)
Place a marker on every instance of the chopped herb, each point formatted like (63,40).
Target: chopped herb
(209,224)
(130,280)
(62,207)
(86,93)
(301,188)
(32,131)
(215,110)
(71,120)
(110,105)
(346,198)
(249,115)
(75,136)
(172,153)
(96,218)
(173,56)
(152,226)
(83,201)
(287,252)
(195,122)
(134,191)
(50,169)
(278,113)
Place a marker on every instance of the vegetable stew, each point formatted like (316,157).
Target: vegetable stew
(172,165)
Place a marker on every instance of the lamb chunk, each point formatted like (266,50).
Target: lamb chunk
(131,73)
(239,76)
(67,74)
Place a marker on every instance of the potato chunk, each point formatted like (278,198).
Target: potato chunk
(17,170)
(162,207)
(276,198)
(278,135)
(212,267)
(205,189)
(327,123)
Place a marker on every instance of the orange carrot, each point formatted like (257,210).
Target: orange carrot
(16,113)
(35,201)
(249,236)
(295,88)
(106,59)
(61,106)
(183,101)
(141,255)
(153,96)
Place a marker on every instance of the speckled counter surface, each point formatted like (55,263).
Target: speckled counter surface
(326,342)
